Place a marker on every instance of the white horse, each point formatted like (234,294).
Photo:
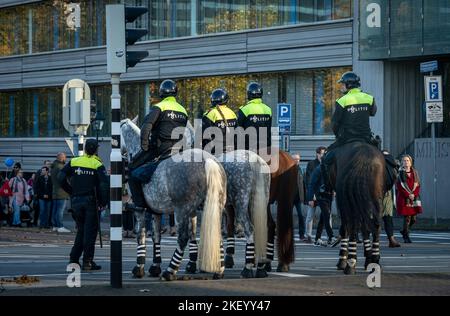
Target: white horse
(182,187)
(248,188)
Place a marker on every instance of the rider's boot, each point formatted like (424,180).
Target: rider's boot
(326,186)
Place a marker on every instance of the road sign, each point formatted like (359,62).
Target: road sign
(433,88)
(429,66)
(435,112)
(284,129)
(284,114)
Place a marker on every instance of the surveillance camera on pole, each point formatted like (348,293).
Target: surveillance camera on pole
(118,59)
(76,110)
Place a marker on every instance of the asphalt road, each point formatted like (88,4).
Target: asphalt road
(421,268)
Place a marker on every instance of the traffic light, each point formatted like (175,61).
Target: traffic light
(118,36)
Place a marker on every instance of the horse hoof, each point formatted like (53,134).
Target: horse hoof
(154,271)
(349,270)
(261,273)
(138,272)
(191,267)
(282,267)
(167,276)
(247,273)
(229,262)
(218,276)
(268,267)
(341,264)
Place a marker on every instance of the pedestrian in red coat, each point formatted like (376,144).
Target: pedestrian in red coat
(408,198)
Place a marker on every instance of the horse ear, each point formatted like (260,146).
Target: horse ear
(135,120)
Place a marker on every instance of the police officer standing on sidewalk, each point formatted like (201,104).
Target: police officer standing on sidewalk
(88,188)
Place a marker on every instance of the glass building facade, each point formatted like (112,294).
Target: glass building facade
(406,28)
(38,112)
(42,27)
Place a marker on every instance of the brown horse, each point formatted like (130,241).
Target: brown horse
(283,188)
(359,176)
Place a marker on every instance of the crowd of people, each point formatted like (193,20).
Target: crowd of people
(37,201)
(404,198)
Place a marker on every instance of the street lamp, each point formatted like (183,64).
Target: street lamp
(97,122)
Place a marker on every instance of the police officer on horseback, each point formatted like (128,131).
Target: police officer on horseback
(156,141)
(89,190)
(222,117)
(350,121)
(258,115)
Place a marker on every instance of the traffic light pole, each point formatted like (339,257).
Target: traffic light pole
(116,186)
(80,144)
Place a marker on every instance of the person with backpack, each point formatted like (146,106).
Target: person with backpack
(20,195)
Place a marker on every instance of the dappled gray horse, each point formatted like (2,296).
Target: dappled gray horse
(248,185)
(181,187)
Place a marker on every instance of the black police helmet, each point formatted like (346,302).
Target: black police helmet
(254,91)
(219,97)
(351,80)
(168,88)
(90,147)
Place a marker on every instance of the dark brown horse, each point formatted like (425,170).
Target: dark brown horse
(359,177)
(283,188)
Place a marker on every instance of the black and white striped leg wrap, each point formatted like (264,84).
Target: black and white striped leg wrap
(141,252)
(193,250)
(222,257)
(376,249)
(352,253)
(250,253)
(367,247)
(156,252)
(176,261)
(270,250)
(344,249)
(230,246)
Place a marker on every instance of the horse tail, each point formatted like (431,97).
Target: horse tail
(285,220)
(359,190)
(210,230)
(258,206)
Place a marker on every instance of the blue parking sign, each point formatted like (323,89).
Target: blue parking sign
(433,88)
(434,91)
(284,114)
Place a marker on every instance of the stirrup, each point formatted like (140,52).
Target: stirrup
(133,207)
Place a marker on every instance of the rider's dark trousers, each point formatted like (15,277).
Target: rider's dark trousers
(86,217)
(325,213)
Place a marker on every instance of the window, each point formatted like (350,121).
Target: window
(45,23)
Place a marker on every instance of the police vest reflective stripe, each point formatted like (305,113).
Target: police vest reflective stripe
(86,161)
(355,97)
(170,104)
(256,107)
(213,115)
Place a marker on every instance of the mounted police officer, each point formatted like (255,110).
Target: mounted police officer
(222,117)
(156,141)
(258,115)
(89,191)
(350,121)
